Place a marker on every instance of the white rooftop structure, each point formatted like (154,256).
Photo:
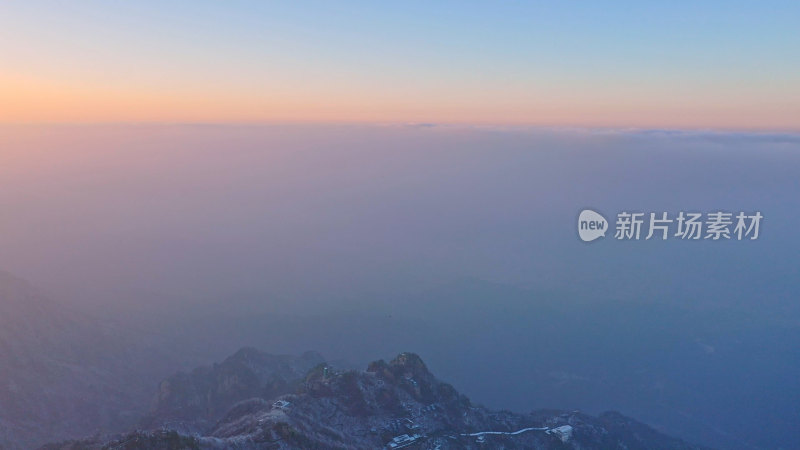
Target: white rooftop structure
(564,432)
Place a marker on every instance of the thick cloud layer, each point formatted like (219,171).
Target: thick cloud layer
(453,240)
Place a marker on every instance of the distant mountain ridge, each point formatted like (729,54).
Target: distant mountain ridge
(398,404)
(50,376)
(199,398)
(63,374)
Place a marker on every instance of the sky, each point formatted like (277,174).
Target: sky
(420,162)
(720,65)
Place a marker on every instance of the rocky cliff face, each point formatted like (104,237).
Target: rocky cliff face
(398,404)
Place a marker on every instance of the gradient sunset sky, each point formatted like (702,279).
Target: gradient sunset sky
(713,64)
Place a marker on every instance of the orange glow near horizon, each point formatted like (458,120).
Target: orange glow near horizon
(47,101)
(659,66)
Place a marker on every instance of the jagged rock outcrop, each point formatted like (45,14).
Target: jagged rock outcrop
(398,404)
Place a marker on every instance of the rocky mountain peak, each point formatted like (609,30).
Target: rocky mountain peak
(410,362)
(391,405)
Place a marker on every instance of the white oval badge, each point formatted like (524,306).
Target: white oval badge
(591,225)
